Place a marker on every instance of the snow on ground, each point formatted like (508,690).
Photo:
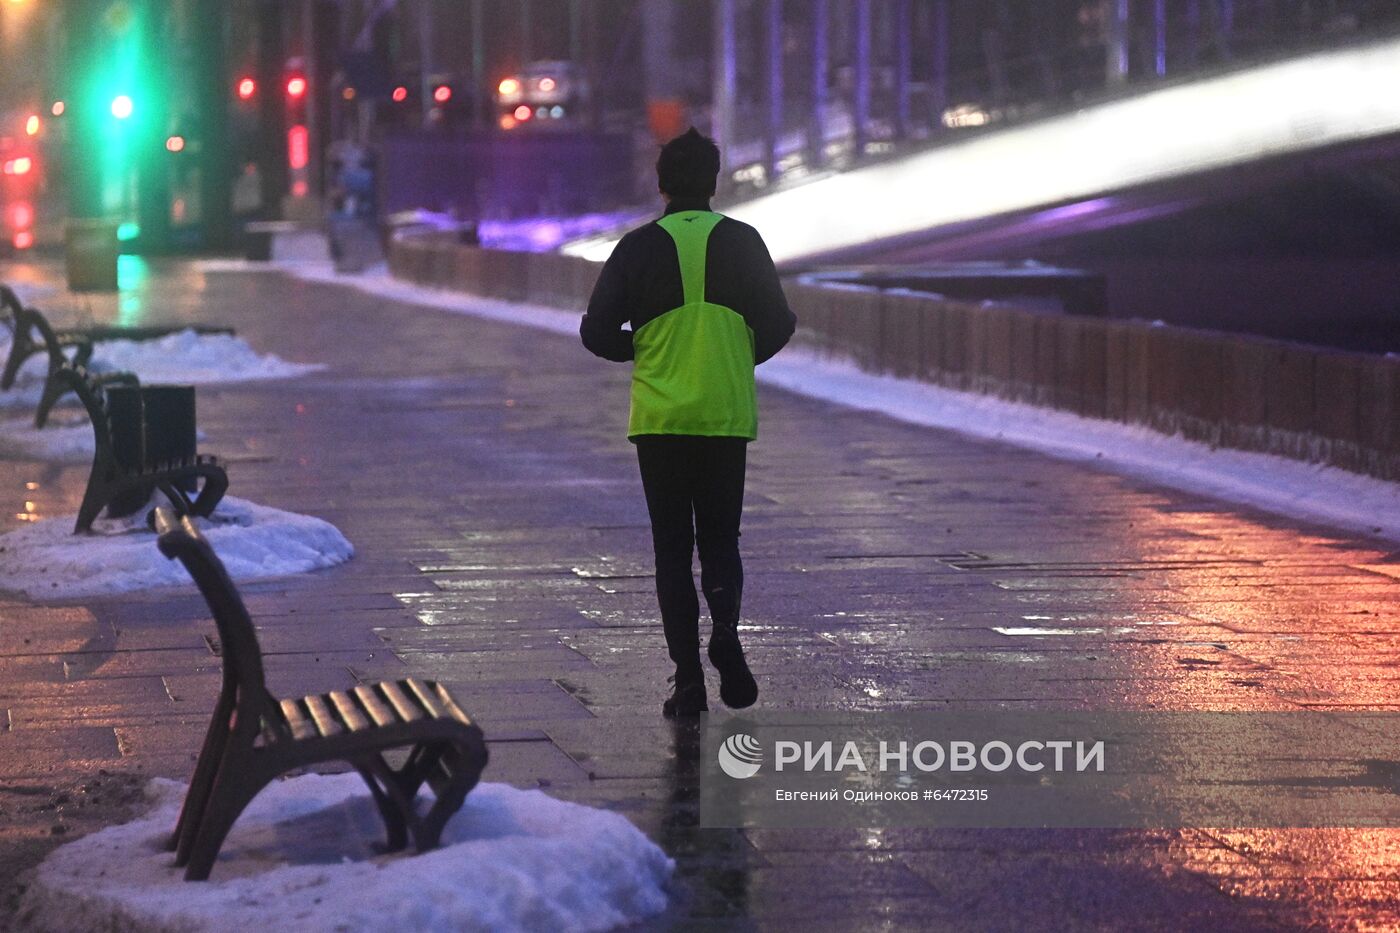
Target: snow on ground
(237,265)
(30,292)
(66,439)
(190,357)
(45,560)
(1280,485)
(510,860)
(184,356)
(25,393)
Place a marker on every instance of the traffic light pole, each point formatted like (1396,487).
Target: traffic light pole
(272,135)
(211,94)
(81,28)
(150,159)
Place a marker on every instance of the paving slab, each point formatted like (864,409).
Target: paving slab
(482,473)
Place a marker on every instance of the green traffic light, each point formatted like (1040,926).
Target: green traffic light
(121,107)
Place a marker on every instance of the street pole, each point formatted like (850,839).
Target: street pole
(481,94)
(862,55)
(1159,17)
(904,53)
(425,56)
(1193,29)
(821,60)
(216,157)
(314,93)
(938,81)
(272,123)
(773,87)
(1117,43)
(575,31)
(726,72)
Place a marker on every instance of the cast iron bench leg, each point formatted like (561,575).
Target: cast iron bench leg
(97,496)
(215,745)
(449,797)
(212,492)
(395,823)
(226,803)
(16,359)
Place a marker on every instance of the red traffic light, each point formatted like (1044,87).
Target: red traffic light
(442,93)
(298,147)
(400,94)
(247,87)
(296,87)
(175,144)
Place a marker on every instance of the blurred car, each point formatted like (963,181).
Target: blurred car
(542,95)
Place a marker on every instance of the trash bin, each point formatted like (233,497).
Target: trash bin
(150,424)
(90,255)
(125,416)
(170,425)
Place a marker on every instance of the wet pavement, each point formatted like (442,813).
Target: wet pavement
(482,473)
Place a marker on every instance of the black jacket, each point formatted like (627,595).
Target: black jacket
(642,280)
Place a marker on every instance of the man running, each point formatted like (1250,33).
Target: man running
(705,307)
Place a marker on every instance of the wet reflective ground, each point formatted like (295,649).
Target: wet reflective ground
(482,473)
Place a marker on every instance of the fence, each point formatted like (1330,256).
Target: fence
(1248,393)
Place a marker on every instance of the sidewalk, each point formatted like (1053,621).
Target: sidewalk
(482,473)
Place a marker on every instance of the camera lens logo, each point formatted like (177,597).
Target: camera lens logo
(740,756)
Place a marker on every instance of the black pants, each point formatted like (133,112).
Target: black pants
(695,495)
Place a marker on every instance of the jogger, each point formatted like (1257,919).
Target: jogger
(703,300)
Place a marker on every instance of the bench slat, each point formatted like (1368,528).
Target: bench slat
(378,710)
(450,705)
(405,707)
(325,722)
(350,714)
(425,697)
(296,719)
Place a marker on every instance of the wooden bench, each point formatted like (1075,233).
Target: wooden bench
(254,738)
(110,478)
(23,345)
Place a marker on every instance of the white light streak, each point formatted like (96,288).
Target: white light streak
(1303,104)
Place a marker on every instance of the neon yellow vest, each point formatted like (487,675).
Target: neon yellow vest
(693,370)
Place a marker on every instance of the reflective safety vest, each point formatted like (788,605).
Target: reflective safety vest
(693,369)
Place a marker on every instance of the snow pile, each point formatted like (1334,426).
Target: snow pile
(30,292)
(45,560)
(1275,484)
(190,357)
(185,356)
(236,265)
(301,853)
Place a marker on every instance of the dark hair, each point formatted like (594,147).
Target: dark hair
(688,166)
